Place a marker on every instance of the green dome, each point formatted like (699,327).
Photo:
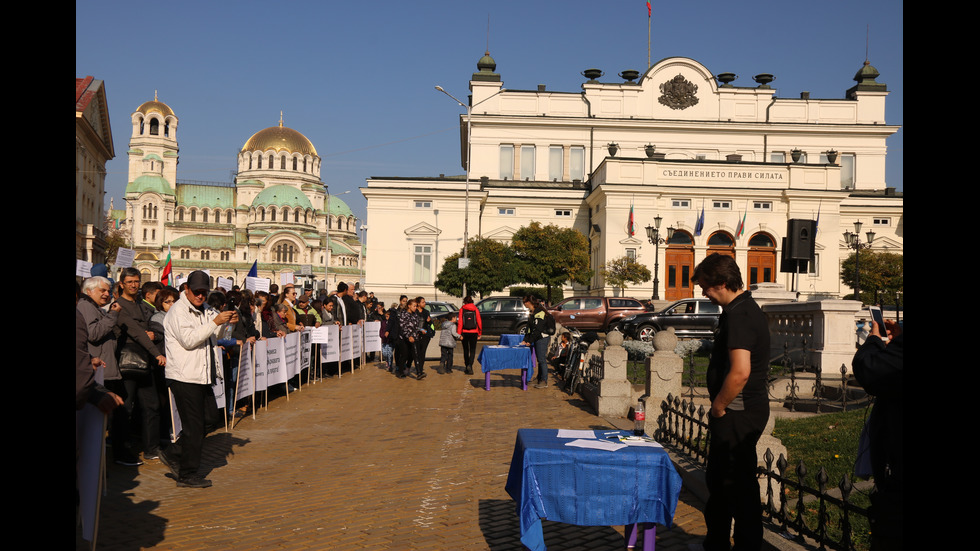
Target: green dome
(282,196)
(338,207)
(150,183)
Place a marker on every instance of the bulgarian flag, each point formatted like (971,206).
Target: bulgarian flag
(649,9)
(630,226)
(167,269)
(741,225)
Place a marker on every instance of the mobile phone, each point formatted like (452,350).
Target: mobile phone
(878,318)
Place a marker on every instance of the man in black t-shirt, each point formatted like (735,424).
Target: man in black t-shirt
(739,406)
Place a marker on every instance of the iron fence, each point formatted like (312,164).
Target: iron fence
(792,502)
(593,370)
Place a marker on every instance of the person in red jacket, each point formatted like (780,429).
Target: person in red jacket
(470,326)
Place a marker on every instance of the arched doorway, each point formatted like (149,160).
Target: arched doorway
(762,259)
(679,265)
(721,242)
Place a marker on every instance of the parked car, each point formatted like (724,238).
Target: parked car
(690,317)
(439,310)
(502,315)
(595,313)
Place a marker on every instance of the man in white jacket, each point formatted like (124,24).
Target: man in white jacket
(191,329)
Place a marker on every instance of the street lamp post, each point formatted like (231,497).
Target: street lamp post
(469,162)
(653,235)
(360,257)
(853,241)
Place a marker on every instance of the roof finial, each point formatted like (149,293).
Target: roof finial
(867,44)
(280,118)
(488,34)
(154,95)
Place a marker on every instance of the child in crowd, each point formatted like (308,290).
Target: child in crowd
(558,359)
(386,349)
(447,342)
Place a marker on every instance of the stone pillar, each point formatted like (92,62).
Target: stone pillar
(664,370)
(615,391)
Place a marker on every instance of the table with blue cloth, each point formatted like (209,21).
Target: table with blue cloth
(493,358)
(589,487)
(511,339)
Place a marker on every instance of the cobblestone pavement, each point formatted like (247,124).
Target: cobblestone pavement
(365,461)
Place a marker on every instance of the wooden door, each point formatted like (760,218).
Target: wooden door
(679,264)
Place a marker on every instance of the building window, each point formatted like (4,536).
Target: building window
(506,162)
(180,215)
(153,234)
(777,157)
(205,255)
(271,161)
(505,211)
(193,215)
(576,163)
(631,254)
(204,215)
(154,127)
(272,211)
(527,162)
(144,234)
(700,157)
(250,163)
(294,163)
(296,215)
(304,165)
(563,213)
(260,161)
(556,158)
(422,272)
(847,171)
(762,205)
(721,205)
(423,204)
(881,222)
(285,253)
(282,163)
(680,203)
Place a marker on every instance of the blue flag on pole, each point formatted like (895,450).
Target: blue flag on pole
(254,271)
(700,223)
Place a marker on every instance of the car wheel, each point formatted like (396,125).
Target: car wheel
(646,333)
(521,328)
(613,327)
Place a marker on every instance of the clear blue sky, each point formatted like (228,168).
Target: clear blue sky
(357,78)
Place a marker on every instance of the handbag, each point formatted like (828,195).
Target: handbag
(134,360)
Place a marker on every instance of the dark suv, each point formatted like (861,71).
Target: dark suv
(690,317)
(501,315)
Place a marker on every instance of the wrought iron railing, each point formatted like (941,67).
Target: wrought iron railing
(593,370)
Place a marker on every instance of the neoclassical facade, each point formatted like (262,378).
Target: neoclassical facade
(675,142)
(93,149)
(275,212)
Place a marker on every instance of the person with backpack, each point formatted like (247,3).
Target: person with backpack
(539,336)
(470,326)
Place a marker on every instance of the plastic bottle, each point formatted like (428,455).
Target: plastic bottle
(639,417)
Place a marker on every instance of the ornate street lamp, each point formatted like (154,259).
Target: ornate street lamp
(853,241)
(653,235)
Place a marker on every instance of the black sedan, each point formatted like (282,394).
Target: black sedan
(690,317)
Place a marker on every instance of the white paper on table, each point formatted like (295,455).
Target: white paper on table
(645,443)
(571,433)
(596,445)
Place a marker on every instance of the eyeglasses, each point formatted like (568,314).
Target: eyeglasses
(199,293)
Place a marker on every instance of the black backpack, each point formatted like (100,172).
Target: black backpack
(549,324)
(469,319)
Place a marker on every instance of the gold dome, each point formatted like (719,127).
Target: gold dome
(157,106)
(280,138)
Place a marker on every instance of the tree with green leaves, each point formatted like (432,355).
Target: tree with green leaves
(620,271)
(882,271)
(551,255)
(493,266)
(114,240)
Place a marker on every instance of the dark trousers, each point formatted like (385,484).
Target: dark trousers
(421,344)
(446,359)
(130,389)
(195,405)
(469,349)
(404,355)
(541,353)
(732,482)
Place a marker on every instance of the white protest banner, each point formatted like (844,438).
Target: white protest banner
(256,284)
(355,338)
(261,355)
(181,281)
(304,349)
(244,387)
(346,348)
(225,283)
(285,278)
(320,335)
(124,258)
(291,354)
(275,370)
(83,268)
(330,348)
(372,336)
(219,383)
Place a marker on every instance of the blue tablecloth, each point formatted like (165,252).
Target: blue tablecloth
(511,340)
(493,358)
(587,487)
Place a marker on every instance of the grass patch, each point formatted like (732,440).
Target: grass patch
(829,441)
(636,370)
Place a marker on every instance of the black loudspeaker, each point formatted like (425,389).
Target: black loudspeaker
(789,265)
(801,239)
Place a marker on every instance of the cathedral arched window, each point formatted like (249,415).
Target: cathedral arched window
(144,211)
(306,217)
(296,216)
(180,215)
(262,213)
(273,211)
(285,252)
(217,216)
(166,129)
(205,255)
(304,165)
(270,162)
(142,127)
(193,215)
(340,223)
(155,212)
(204,215)
(154,127)
(229,217)
(250,163)
(282,163)
(294,163)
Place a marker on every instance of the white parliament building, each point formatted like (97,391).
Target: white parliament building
(670,142)
(274,212)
